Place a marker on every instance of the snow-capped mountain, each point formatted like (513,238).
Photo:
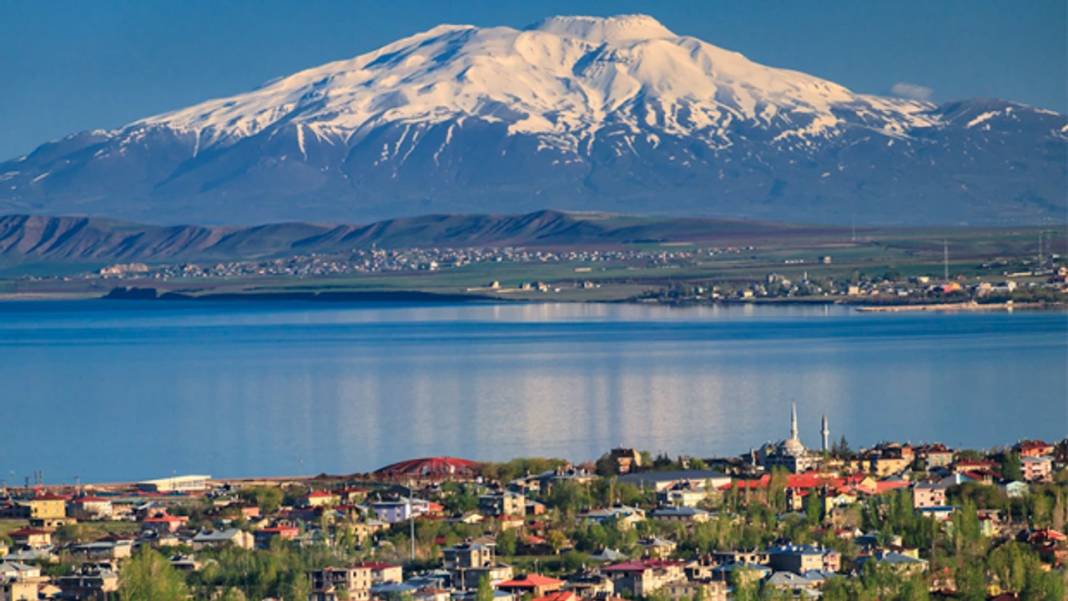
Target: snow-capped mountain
(615,114)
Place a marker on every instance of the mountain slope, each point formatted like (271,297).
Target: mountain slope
(579,113)
(65,239)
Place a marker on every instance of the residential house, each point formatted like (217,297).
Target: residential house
(320,498)
(657,548)
(352,583)
(682,496)
(799,586)
(104,550)
(176,484)
(384,573)
(164,523)
(590,585)
(264,536)
(624,516)
(681,514)
(468,563)
(899,562)
(1033,448)
(801,559)
(31,538)
(685,590)
(1037,469)
(92,508)
(625,460)
(933,456)
(1016,489)
(90,581)
(19,581)
(742,557)
(503,503)
(929,494)
(642,577)
(399,510)
(223,538)
(694,479)
(531,584)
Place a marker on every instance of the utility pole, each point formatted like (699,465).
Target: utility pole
(411,524)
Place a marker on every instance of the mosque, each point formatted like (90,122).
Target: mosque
(791,453)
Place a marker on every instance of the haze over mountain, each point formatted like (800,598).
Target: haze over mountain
(579,113)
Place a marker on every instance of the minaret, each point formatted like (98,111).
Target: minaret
(793,420)
(825,431)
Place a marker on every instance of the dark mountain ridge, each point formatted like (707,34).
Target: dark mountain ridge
(61,239)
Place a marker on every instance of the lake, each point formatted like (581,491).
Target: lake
(119,390)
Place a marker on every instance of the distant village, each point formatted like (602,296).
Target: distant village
(782,521)
(1041,280)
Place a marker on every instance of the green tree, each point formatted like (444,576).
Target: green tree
(299,588)
(745,585)
(507,542)
(1011,468)
(485,590)
(150,577)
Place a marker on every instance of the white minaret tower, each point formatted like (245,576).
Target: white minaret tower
(793,420)
(825,432)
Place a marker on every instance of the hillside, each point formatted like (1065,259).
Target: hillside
(65,239)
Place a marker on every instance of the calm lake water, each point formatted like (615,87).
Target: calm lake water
(102,390)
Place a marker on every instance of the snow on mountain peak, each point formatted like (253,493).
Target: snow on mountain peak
(620,28)
(563,79)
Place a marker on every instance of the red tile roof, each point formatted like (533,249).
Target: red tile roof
(531,581)
(48,497)
(21,532)
(557,596)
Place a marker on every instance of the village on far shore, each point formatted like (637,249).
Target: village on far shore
(782,521)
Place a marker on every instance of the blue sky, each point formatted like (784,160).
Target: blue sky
(69,66)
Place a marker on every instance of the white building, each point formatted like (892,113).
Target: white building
(175,484)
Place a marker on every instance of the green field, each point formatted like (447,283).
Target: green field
(872,253)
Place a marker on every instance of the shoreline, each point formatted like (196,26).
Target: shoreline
(407,296)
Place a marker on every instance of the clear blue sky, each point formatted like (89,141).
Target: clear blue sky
(69,66)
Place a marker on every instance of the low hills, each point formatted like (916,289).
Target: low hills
(73,239)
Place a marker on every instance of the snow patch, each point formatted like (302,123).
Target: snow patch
(981,118)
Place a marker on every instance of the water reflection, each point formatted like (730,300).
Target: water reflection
(138,390)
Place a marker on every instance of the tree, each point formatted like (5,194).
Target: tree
(971,581)
(150,577)
(813,508)
(1011,468)
(267,498)
(841,449)
(299,589)
(507,542)
(557,540)
(744,584)
(233,594)
(485,590)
